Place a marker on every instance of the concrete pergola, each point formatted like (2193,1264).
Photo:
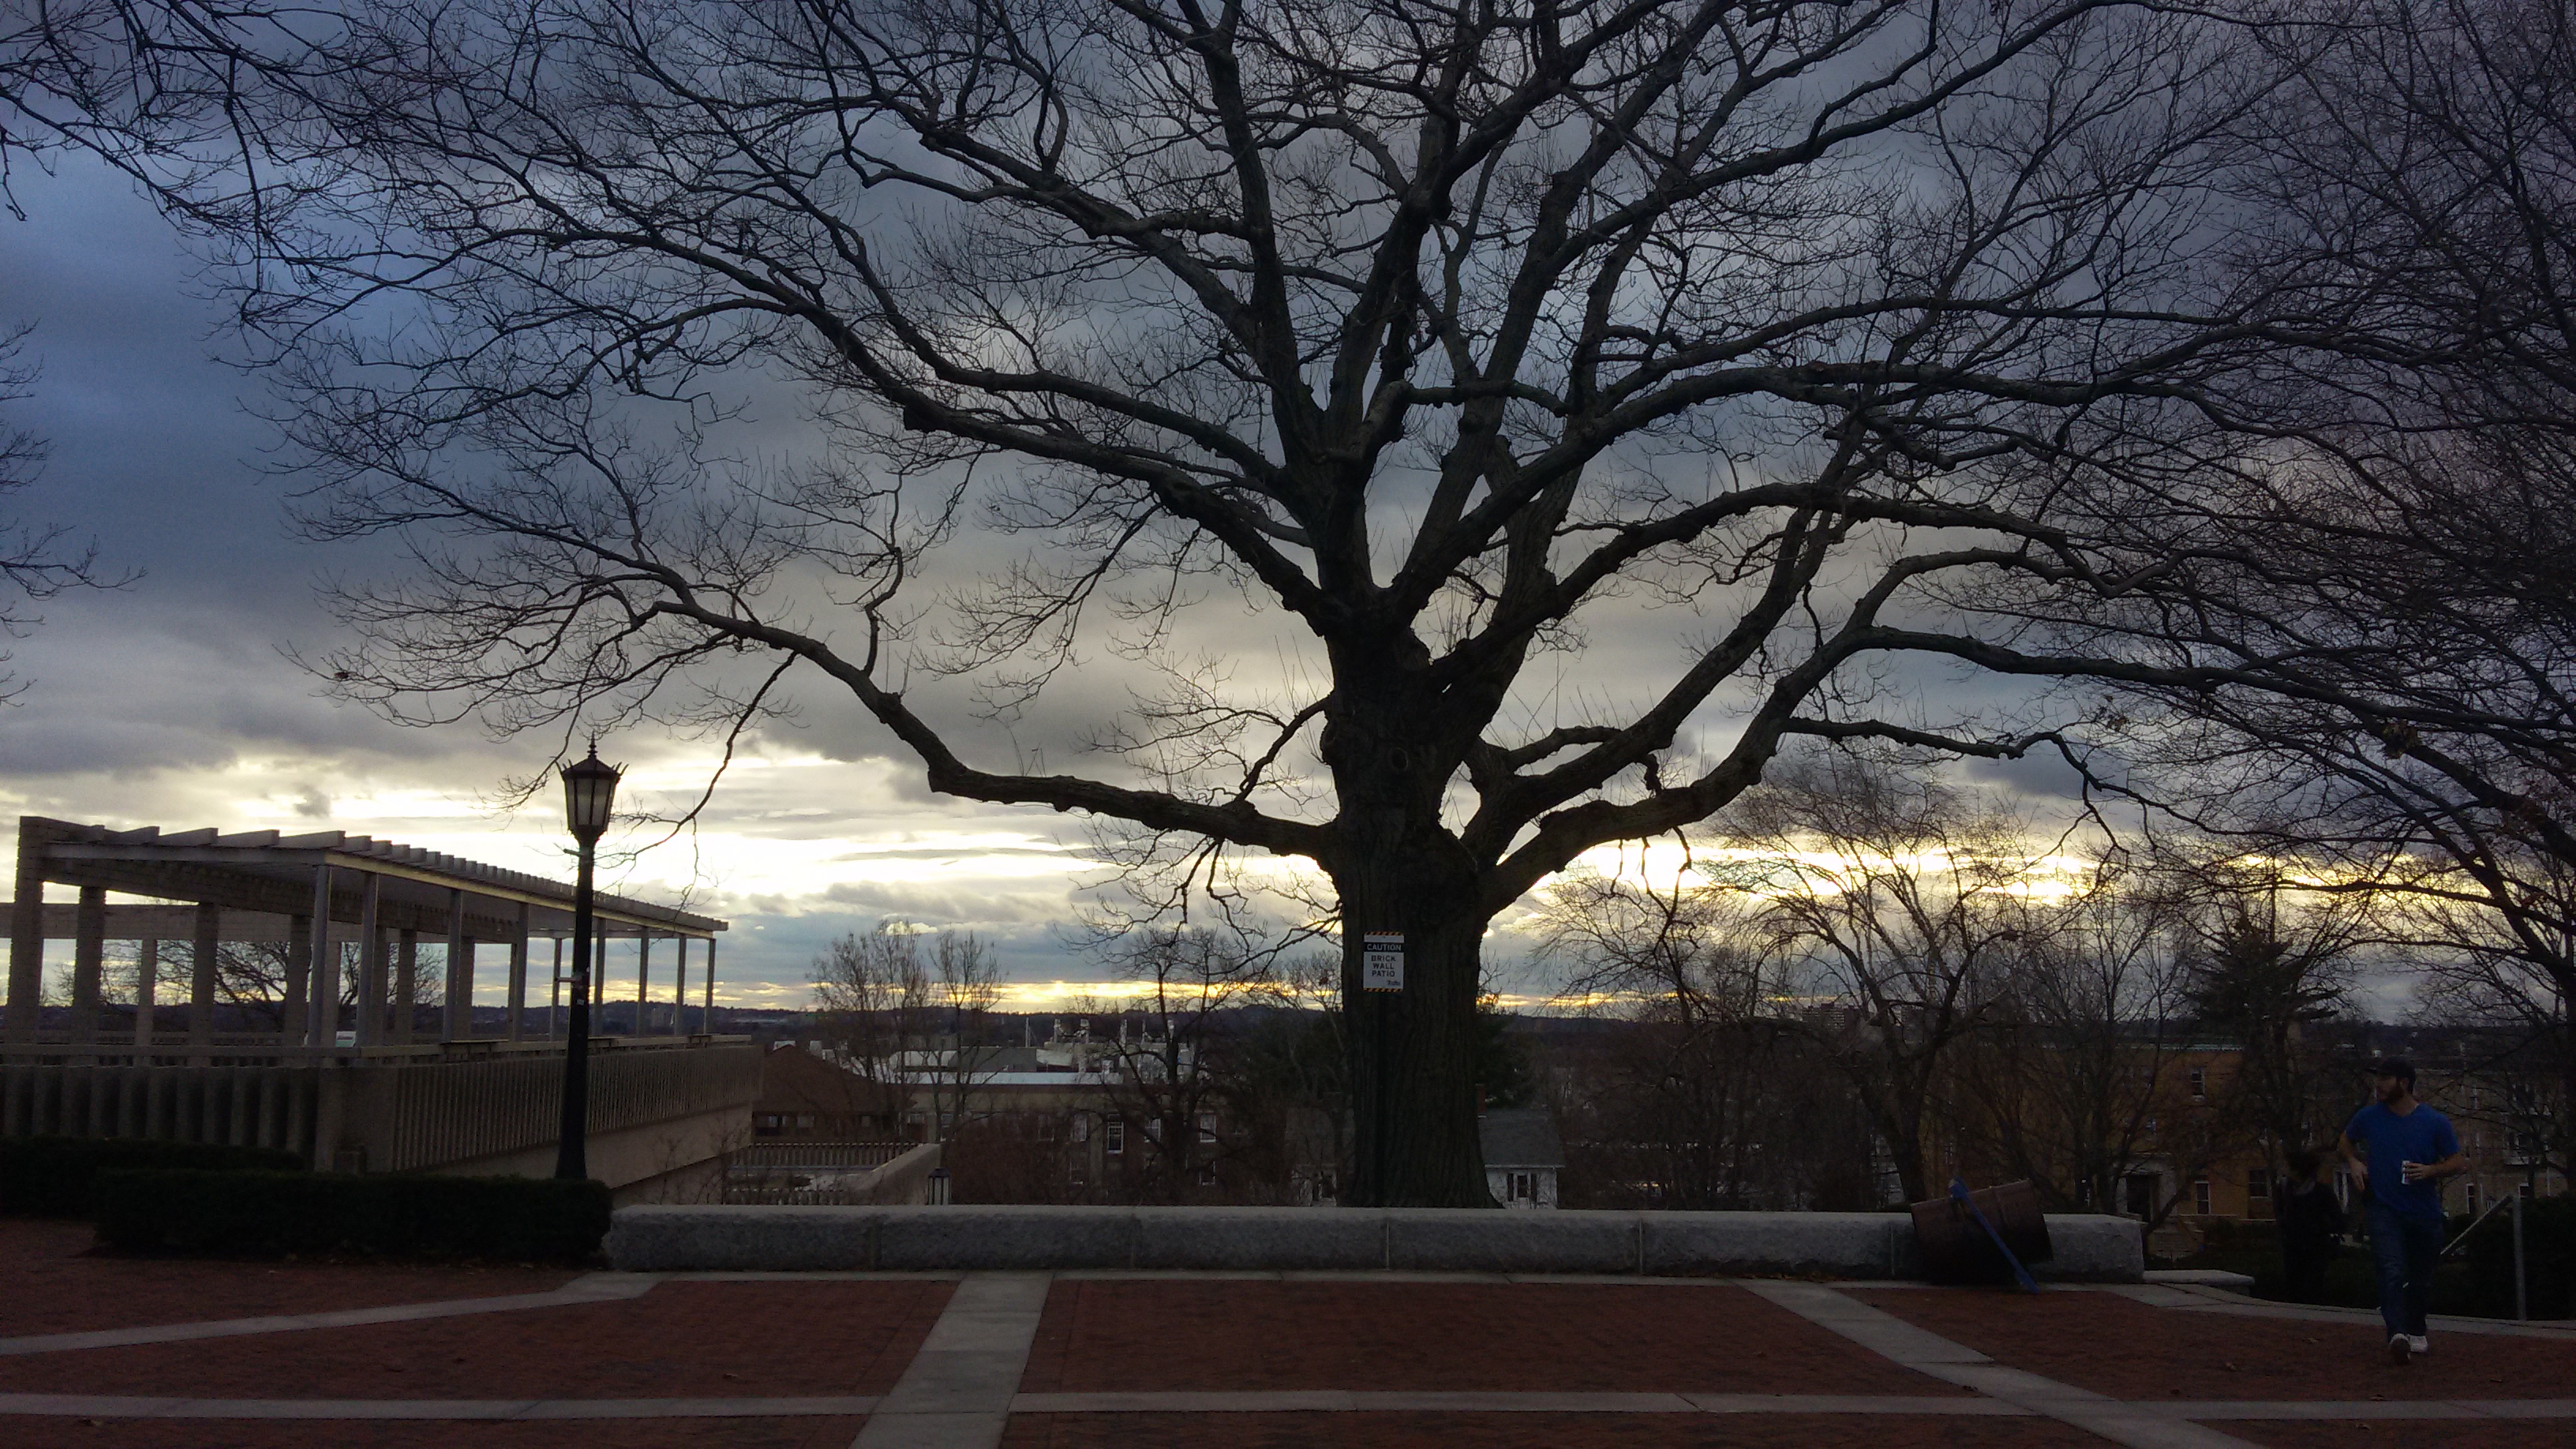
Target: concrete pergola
(263,886)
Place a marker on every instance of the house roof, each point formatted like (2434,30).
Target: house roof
(793,1079)
(1520,1137)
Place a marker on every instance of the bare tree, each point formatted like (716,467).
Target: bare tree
(2501,973)
(1680,1101)
(1905,909)
(914,1029)
(249,980)
(1292,1094)
(869,992)
(2271,968)
(1174,1077)
(196,100)
(2070,1081)
(960,1035)
(1436,341)
(2384,604)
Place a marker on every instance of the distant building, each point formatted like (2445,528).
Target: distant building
(1522,1156)
(806,1097)
(2201,1162)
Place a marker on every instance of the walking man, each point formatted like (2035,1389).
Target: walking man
(2405,1150)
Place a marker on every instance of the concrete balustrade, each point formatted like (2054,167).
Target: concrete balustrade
(655,1109)
(2089,1248)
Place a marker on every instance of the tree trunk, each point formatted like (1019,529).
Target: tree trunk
(1412,1052)
(2556,1129)
(1901,1119)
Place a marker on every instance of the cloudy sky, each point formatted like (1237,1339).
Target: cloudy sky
(172,701)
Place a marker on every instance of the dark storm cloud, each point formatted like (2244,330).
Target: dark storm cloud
(169,702)
(156,456)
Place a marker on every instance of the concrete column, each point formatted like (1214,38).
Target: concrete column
(462,1008)
(371,961)
(554,995)
(643,982)
(458,1018)
(89,953)
(323,1024)
(516,1028)
(707,1018)
(27,936)
(296,1015)
(147,971)
(406,985)
(208,959)
(680,987)
(599,978)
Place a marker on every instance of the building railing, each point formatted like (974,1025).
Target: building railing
(847,1174)
(838,1155)
(169,1049)
(384,1109)
(242,1105)
(431,1113)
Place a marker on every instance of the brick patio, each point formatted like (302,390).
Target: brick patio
(124,1352)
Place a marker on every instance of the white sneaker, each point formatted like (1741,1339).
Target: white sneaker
(2419,1343)
(2400,1348)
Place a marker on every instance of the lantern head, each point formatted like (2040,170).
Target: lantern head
(590,794)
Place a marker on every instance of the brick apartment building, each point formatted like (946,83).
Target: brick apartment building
(2201,1162)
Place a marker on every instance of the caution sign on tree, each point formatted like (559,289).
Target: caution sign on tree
(1382,961)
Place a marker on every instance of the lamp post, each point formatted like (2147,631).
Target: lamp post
(590,790)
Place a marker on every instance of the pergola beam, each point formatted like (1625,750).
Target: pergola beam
(131,868)
(313,893)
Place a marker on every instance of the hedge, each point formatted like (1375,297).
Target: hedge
(2476,1282)
(271,1214)
(2548,1258)
(57,1177)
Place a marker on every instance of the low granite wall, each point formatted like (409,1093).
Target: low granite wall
(1840,1245)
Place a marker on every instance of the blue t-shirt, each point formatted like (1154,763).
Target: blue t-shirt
(2389,1140)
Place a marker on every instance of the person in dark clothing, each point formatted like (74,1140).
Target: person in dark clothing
(2311,1225)
(2399,1151)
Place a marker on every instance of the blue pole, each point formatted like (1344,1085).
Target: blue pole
(1959,1193)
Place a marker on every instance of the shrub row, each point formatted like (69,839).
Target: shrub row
(2548,1258)
(2477,1282)
(57,1177)
(270,1214)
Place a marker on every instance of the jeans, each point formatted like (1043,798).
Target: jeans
(2405,1247)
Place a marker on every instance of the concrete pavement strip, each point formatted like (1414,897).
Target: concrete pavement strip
(2196,1299)
(126,1406)
(1929,1353)
(957,1391)
(2348,1408)
(1348,1401)
(1329,1401)
(591,1288)
(827,1275)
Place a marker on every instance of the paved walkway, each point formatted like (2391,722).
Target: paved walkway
(1040,1361)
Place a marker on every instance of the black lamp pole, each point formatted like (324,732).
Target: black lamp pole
(590,791)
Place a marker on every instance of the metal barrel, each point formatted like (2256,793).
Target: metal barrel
(1953,1249)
